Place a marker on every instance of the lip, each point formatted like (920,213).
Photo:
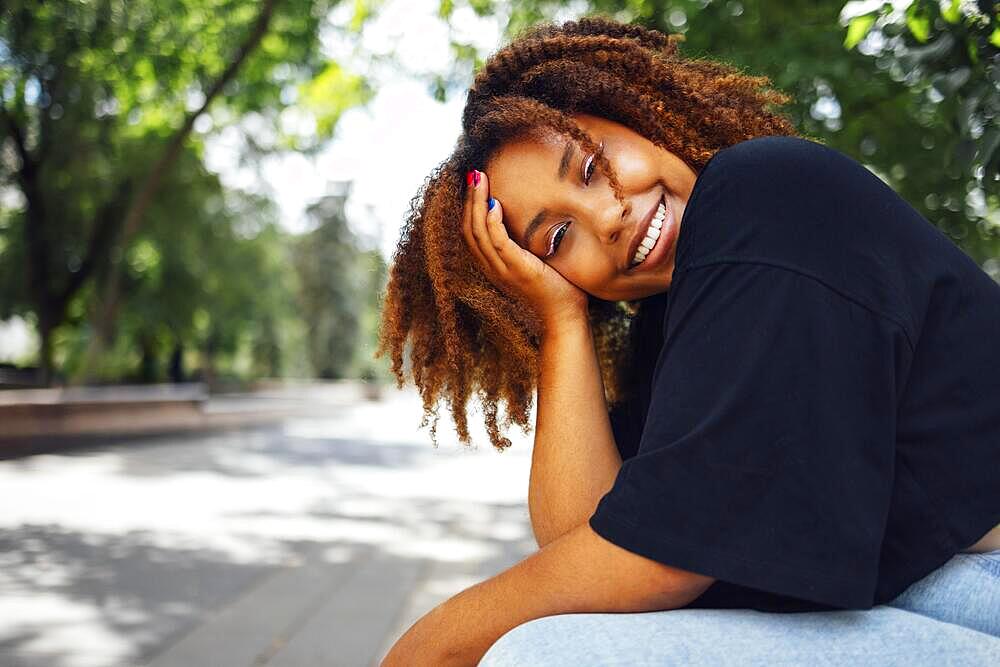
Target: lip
(640,232)
(665,245)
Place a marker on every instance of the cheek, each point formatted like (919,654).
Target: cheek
(586,264)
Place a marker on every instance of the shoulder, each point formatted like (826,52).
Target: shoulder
(775,152)
(786,166)
(787,199)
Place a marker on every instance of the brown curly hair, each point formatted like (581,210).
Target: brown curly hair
(468,335)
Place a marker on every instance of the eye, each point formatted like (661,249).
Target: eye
(588,165)
(557,239)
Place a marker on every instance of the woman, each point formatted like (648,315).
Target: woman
(804,406)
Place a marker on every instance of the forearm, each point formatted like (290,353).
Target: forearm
(581,572)
(459,631)
(574,461)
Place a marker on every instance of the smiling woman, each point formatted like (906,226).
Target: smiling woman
(803,414)
(534,121)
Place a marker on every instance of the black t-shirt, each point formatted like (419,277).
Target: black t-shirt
(822,424)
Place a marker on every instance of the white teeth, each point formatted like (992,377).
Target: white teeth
(652,234)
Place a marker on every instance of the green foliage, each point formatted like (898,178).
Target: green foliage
(332,92)
(208,274)
(339,291)
(857,29)
(918,20)
(946,53)
(93,95)
(363,11)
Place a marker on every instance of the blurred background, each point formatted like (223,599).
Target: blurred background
(200,460)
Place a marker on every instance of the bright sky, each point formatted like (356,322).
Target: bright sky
(388,148)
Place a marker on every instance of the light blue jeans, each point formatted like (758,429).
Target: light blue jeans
(950,617)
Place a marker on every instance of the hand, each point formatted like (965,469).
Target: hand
(514,270)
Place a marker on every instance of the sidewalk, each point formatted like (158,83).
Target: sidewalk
(316,540)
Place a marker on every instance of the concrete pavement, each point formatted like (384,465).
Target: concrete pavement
(314,540)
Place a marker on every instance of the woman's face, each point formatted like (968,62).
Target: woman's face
(553,196)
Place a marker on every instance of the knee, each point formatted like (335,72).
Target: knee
(526,644)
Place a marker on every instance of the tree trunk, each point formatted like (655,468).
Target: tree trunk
(176,371)
(45,368)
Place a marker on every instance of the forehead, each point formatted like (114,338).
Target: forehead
(527,152)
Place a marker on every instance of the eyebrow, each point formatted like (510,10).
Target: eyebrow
(536,222)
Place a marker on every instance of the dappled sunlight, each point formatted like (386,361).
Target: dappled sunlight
(446,549)
(65,631)
(112,554)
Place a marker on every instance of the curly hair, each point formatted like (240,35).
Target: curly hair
(467,335)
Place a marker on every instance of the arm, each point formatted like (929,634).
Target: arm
(579,572)
(574,460)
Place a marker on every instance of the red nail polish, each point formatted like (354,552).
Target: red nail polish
(475,178)
(468,178)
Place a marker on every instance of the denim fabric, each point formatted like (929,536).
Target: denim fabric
(950,617)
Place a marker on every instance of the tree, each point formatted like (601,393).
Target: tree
(81,84)
(207,275)
(948,55)
(339,285)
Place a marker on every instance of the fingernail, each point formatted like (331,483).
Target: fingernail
(475,177)
(492,203)
(468,178)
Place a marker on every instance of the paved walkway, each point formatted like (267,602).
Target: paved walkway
(316,540)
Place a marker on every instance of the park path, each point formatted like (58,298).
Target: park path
(315,540)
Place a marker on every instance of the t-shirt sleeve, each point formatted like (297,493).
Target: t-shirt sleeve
(766,459)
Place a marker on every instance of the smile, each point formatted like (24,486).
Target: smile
(653,233)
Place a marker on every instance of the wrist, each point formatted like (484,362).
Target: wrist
(571,320)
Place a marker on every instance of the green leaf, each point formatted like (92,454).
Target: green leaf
(363,10)
(482,7)
(952,14)
(438,89)
(918,22)
(857,29)
(446,8)
(995,37)
(330,94)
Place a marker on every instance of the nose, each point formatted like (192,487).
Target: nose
(611,221)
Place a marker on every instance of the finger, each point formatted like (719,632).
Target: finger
(479,230)
(504,246)
(517,260)
(500,240)
(470,240)
(470,230)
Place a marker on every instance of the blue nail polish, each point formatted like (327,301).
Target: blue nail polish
(492,203)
